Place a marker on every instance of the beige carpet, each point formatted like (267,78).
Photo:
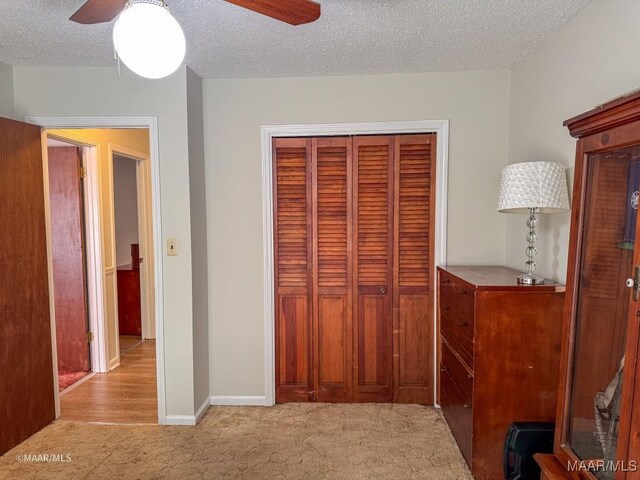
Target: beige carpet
(292,441)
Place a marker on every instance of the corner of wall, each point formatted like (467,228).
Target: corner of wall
(199,263)
(7,95)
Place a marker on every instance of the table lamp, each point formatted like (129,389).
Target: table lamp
(532,188)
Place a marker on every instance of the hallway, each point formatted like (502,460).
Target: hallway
(124,395)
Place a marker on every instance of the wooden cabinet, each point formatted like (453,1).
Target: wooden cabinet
(129,307)
(500,347)
(598,418)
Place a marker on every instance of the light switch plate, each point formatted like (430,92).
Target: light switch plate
(172,247)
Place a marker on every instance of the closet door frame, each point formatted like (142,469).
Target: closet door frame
(268,134)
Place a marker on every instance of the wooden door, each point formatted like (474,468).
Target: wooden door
(293,268)
(413,278)
(373,267)
(354,221)
(67,239)
(332,259)
(26,364)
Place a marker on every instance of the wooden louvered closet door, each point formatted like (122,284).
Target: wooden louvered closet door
(332,246)
(413,283)
(373,267)
(293,261)
(354,296)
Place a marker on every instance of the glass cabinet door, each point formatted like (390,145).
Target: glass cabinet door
(603,302)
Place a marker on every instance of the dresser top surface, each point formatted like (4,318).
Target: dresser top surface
(497,278)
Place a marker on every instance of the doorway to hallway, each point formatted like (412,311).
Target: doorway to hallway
(119,276)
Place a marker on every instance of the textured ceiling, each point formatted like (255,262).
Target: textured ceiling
(352,36)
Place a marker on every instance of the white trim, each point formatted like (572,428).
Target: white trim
(189,419)
(239,400)
(95,278)
(268,133)
(202,410)
(152,124)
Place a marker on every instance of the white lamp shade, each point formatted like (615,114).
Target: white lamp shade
(540,185)
(149,40)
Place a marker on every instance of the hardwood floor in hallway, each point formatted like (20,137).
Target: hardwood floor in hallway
(125,395)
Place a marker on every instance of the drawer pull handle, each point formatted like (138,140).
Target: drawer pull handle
(383,290)
(467,406)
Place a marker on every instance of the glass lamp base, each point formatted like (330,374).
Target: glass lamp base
(530,279)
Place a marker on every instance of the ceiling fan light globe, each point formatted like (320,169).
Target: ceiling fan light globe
(149,40)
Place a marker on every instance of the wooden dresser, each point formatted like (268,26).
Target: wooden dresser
(499,358)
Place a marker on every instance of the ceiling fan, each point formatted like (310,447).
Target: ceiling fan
(294,12)
(150,41)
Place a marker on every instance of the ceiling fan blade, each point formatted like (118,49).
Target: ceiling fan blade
(294,12)
(98,11)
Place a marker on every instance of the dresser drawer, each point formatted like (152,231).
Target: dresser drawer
(458,413)
(458,372)
(456,307)
(456,298)
(459,334)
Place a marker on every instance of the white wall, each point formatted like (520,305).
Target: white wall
(125,200)
(476,103)
(6,90)
(594,58)
(63,91)
(199,263)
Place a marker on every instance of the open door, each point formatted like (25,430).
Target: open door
(68,248)
(26,365)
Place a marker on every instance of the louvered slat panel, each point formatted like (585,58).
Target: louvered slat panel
(373,215)
(291,216)
(414,214)
(332,314)
(373,230)
(292,222)
(332,216)
(412,308)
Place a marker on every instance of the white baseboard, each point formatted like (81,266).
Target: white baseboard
(238,400)
(203,409)
(180,420)
(188,419)
(230,400)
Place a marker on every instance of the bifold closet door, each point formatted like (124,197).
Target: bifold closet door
(373,267)
(353,236)
(293,269)
(313,244)
(413,283)
(332,267)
